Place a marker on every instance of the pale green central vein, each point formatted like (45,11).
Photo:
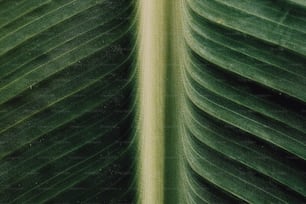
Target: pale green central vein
(152,69)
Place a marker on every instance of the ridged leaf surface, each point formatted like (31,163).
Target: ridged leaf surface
(66,101)
(244,124)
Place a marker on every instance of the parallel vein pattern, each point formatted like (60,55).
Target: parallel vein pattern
(66,101)
(244,125)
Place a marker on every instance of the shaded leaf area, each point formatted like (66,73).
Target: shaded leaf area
(244,123)
(67,101)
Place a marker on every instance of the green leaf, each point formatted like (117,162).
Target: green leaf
(67,101)
(244,131)
(97,99)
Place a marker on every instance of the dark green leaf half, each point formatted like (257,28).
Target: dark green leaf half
(67,101)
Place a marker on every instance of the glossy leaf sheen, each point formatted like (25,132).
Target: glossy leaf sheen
(244,130)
